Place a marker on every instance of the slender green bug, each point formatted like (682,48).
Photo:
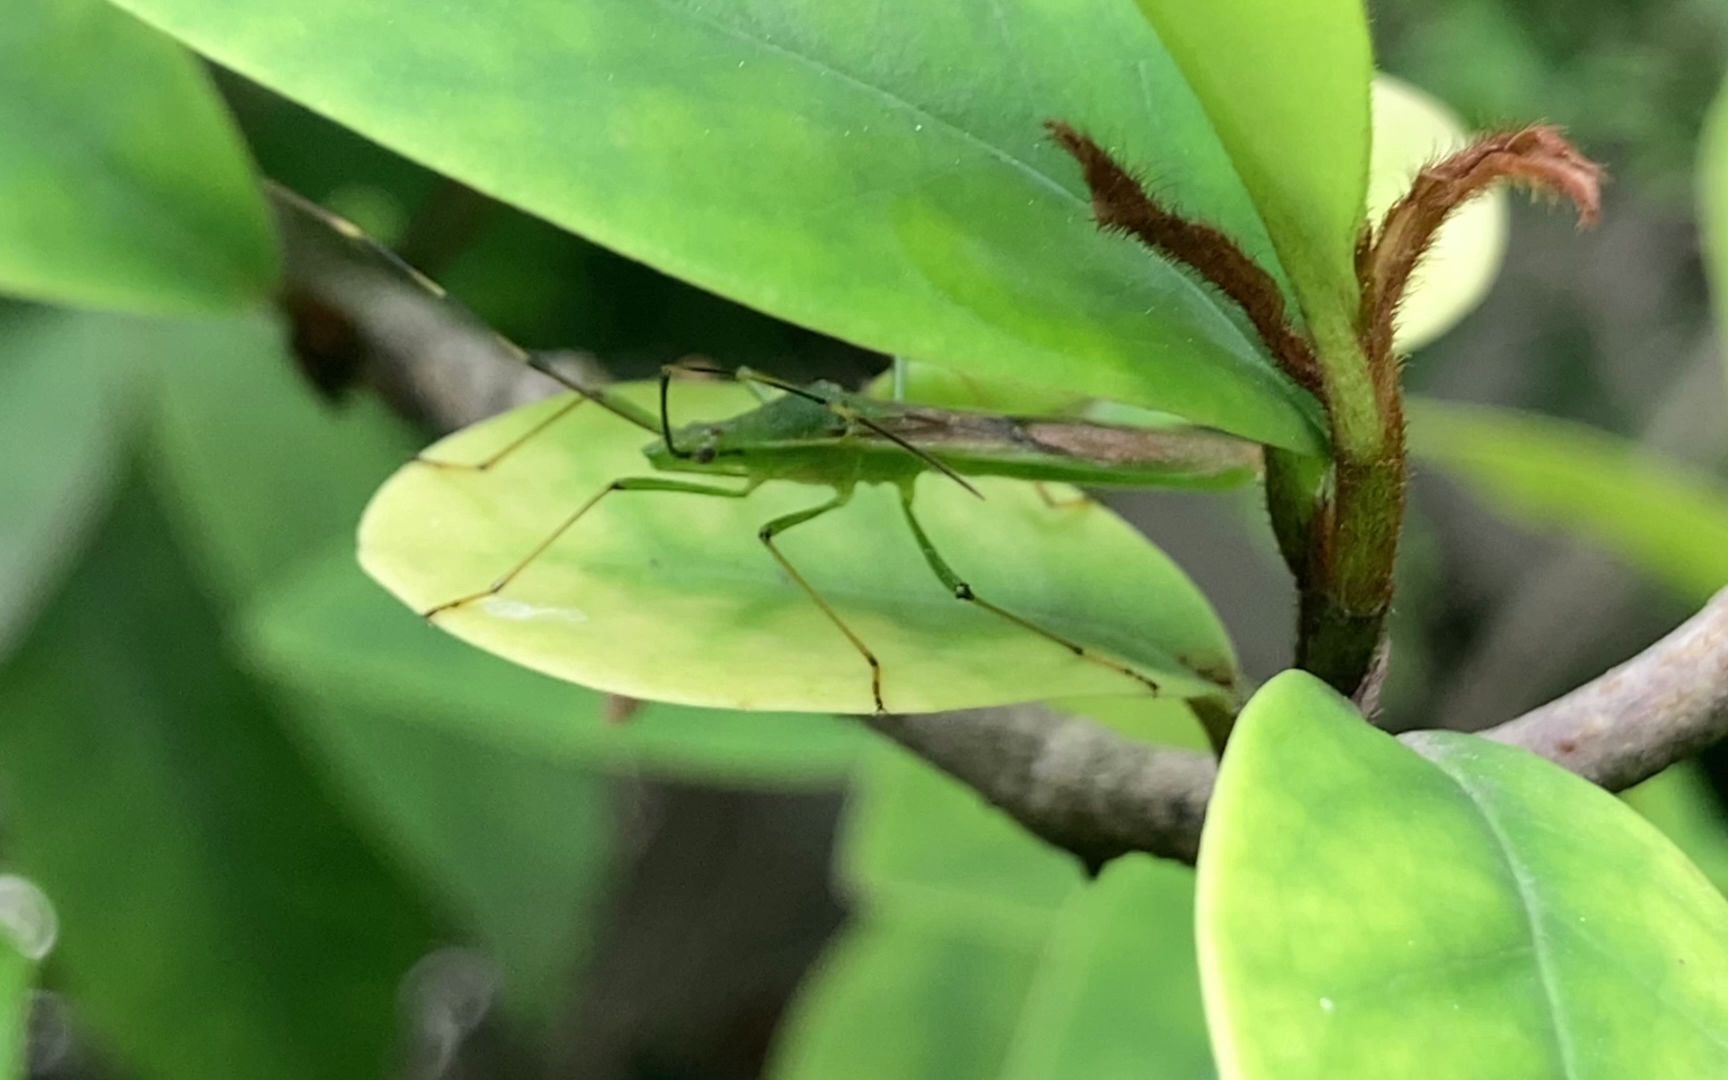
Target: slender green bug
(825,436)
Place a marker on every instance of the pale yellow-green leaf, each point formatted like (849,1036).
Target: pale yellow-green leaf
(1469,911)
(671,596)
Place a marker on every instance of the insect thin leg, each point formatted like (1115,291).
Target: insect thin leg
(1053,502)
(645,483)
(779,525)
(963,591)
(508,448)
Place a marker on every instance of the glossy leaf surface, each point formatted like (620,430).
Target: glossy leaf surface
(1349,885)
(879,170)
(1411,129)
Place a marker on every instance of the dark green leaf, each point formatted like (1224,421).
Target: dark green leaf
(63,418)
(123,183)
(877,171)
(260,471)
(219,916)
(15,978)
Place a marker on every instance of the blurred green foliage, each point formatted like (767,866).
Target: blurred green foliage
(260,793)
(124,183)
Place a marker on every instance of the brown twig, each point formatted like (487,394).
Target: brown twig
(1071,782)
(1665,704)
(1100,795)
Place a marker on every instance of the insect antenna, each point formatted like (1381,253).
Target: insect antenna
(921,455)
(665,415)
(624,410)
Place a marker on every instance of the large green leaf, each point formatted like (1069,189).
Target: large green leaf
(670,596)
(1118,991)
(1713,208)
(63,415)
(876,170)
(123,183)
(328,634)
(1411,130)
(1287,87)
(1368,911)
(515,846)
(219,915)
(1665,518)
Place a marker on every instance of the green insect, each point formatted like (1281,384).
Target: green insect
(825,436)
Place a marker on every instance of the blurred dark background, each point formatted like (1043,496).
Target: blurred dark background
(643,910)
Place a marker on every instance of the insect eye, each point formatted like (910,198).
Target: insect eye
(704,454)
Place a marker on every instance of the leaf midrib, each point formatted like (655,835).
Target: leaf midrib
(1529,905)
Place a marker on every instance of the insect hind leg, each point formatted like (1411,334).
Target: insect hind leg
(963,591)
(644,483)
(779,525)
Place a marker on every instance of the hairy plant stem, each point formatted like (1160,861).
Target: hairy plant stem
(1338,527)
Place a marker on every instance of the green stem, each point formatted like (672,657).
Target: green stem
(1341,538)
